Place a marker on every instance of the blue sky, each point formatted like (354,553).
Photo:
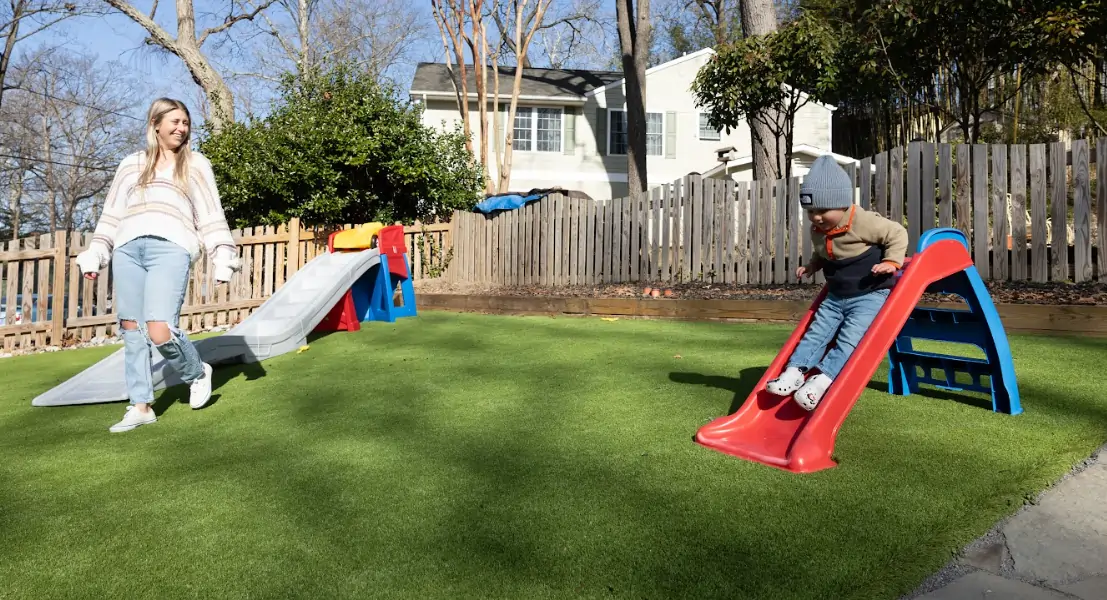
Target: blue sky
(116,37)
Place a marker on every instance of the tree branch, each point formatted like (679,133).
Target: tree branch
(230,21)
(1084,105)
(161,36)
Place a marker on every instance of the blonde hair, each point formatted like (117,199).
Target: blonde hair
(158,109)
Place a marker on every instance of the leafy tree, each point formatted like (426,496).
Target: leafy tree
(340,148)
(963,59)
(776,75)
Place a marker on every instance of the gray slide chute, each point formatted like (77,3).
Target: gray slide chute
(280,325)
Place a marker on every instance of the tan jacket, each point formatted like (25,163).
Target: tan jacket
(858,231)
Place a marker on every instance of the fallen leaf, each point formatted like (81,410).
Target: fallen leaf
(302,348)
(677,356)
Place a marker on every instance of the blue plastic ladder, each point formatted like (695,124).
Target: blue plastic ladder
(980,326)
(381,305)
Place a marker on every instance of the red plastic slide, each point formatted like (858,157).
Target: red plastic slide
(776,431)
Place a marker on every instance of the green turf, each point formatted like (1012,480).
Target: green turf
(465,456)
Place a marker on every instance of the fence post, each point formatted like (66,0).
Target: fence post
(294,245)
(451,273)
(57,304)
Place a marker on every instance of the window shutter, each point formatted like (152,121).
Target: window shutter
(670,134)
(569,133)
(601,131)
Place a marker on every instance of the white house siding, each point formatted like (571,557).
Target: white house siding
(584,162)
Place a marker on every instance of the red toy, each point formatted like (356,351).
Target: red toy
(778,432)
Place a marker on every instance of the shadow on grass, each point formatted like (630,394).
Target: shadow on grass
(967,398)
(742,386)
(221,375)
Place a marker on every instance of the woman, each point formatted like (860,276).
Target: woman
(161,211)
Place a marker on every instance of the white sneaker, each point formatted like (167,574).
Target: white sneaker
(788,382)
(812,392)
(133,418)
(200,392)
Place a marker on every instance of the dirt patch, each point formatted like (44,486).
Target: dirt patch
(1002,292)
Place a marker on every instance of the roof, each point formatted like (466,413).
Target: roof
(550,83)
(656,68)
(806,149)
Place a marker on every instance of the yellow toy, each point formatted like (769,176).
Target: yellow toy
(359,238)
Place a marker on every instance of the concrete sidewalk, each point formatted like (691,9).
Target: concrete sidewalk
(1054,549)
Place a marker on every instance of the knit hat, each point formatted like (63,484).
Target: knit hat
(826,186)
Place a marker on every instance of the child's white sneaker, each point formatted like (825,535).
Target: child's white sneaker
(133,418)
(812,392)
(200,390)
(788,382)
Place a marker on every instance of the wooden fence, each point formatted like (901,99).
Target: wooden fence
(42,305)
(1027,209)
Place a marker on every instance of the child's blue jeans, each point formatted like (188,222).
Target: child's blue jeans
(849,318)
(151,279)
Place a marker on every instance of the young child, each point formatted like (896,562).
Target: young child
(859,252)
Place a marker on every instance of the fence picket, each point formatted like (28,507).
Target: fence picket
(1018,212)
(1039,236)
(1081,212)
(945,185)
(980,209)
(1059,205)
(999,211)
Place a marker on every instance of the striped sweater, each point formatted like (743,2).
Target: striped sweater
(194,222)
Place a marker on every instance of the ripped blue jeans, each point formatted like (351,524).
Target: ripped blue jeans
(151,279)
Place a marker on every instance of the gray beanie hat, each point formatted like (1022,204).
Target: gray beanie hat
(826,186)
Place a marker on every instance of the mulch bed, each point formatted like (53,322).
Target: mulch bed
(1002,292)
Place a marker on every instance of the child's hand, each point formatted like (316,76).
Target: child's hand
(800,272)
(884,269)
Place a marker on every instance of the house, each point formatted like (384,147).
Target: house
(570,127)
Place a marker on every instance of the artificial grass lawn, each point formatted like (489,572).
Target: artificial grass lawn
(452,456)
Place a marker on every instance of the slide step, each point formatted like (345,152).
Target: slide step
(949,366)
(959,326)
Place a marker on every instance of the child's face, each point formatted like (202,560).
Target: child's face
(826,218)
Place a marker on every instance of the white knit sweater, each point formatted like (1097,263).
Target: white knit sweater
(194,222)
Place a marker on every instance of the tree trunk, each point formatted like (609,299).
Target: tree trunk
(634,42)
(9,44)
(51,191)
(454,28)
(479,49)
(521,41)
(186,46)
(759,18)
(15,201)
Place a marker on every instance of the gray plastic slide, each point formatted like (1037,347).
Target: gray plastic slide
(280,325)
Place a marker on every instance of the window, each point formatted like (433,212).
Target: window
(655,134)
(706,131)
(537,129)
(617,136)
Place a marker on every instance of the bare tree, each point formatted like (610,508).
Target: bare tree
(451,17)
(21,19)
(527,23)
(373,35)
(759,18)
(565,29)
(634,43)
(187,45)
(69,132)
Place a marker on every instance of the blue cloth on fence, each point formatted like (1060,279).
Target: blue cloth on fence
(506,202)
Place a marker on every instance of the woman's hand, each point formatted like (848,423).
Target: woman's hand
(92,275)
